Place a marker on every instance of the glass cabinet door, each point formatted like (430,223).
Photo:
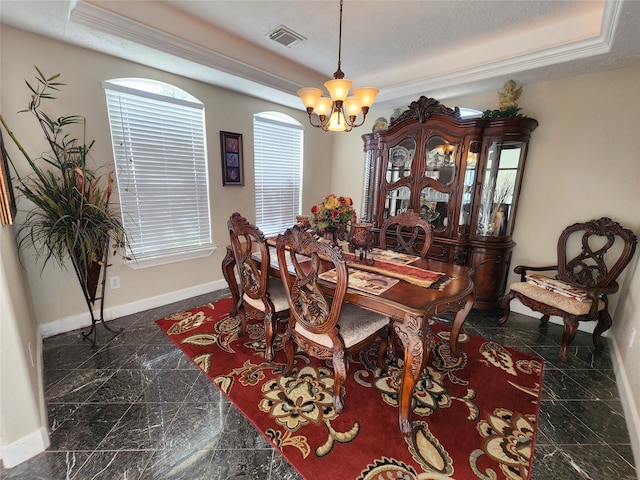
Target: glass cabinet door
(397,198)
(396,201)
(400,160)
(467,193)
(440,160)
(434,208)
(499,185)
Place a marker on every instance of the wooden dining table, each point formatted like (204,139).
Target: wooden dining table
(409,305)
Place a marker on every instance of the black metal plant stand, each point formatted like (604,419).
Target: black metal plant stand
(91,299)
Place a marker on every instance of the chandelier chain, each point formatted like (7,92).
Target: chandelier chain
(339,74)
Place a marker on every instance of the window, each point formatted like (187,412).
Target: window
(157,132)
(277,154)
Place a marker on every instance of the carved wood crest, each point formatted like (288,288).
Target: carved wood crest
(423,108)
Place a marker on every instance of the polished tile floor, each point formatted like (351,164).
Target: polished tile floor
(134,408)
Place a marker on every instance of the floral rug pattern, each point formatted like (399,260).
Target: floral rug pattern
(473,416)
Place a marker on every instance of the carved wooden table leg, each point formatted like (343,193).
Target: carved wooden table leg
(228,266)
(459,320)
(416,350)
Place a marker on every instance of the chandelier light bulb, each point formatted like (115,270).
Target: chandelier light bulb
(337,122)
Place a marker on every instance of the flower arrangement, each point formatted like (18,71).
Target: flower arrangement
(333,213)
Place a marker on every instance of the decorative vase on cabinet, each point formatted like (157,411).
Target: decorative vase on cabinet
(463,176)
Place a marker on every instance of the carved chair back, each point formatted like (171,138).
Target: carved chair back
(405,233)
(594,253)
(254,275)
(308,304)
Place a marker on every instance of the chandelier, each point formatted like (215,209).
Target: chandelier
(339,112)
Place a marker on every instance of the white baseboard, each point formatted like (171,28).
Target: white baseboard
(25,448)
(631,414)
(83,320)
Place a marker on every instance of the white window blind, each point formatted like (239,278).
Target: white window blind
(161,170)
(278,173)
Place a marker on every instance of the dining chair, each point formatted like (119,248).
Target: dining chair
(591,256)
(406,232)
(323,325)
(264,295)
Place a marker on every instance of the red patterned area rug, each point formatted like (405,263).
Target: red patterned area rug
(473,417)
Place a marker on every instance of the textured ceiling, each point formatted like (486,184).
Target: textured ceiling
(405,48)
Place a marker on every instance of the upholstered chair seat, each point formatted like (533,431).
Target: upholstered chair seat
(591,255)
(556,300)
(277,295)
(356,325)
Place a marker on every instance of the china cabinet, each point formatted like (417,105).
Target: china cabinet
(463,176)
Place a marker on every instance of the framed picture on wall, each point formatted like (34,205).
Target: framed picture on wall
(232,159)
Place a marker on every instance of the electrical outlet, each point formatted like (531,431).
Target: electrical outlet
(114,282)
(632,337)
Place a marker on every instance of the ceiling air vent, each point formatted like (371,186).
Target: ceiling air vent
(285,36)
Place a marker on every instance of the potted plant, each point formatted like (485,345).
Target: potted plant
(70,217)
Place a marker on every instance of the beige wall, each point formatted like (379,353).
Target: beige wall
(23,418)
(582,164)
(56,294)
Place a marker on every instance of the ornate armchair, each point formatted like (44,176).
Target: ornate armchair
(406,233)
(267,298)
(320,325)
(591,256)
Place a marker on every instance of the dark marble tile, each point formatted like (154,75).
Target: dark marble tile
(626,452)
(111,356)
(551,355)
(48,465)
(177,360)
(153,357)
(580,462)
(205,391)
(603,417)
(169,386)
(58,412)
(197,426)
(180,465)
(561,427)
(142,427)
(241,464)
(68,338)
(124,386)
(559,385)
(594,359)
(240,432)
(160,338)
(85,428)
(67,357)
(282,470)
(596,382)
(53,376)
(78,386)
(136,334)
(114,465)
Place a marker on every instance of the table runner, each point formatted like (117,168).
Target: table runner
(408,273)
(365,281)
(394,265)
